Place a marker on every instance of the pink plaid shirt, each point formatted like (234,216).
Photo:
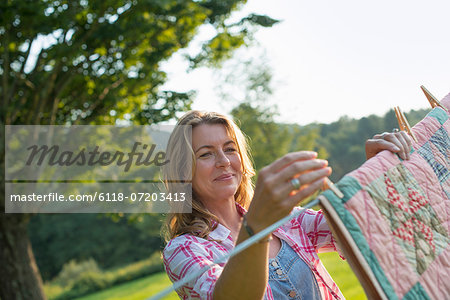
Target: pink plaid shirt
(307,234)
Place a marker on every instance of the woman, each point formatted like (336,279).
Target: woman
(284,265)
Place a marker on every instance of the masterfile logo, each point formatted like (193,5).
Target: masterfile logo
(93,169)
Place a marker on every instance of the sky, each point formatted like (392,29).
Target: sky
(335,58)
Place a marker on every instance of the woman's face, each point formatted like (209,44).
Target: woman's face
(218,171)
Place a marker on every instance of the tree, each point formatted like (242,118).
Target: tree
(268,140)
(94,62)
(79,237)
(345,138)
(307,138)
(250,81)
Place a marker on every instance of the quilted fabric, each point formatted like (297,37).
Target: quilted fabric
(397,213)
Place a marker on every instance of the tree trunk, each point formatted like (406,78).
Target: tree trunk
(19,274)
(19,277)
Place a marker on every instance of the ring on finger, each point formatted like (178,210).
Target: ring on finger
(395,130)
(295,183)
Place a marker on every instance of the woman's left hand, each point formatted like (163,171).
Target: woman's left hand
(397,142)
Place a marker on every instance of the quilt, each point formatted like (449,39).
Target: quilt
(393,222)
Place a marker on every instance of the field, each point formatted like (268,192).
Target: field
(135,290)
(343,275)
(143,288)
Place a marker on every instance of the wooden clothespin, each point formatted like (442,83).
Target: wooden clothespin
(403,123)
(329,184)
(433,101)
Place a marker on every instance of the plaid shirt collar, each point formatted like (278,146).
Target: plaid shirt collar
(222,233)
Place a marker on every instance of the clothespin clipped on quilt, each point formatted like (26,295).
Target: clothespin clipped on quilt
(433,101)
(330,185)
(403,123)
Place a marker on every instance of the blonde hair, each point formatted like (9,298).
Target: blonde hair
(201,222)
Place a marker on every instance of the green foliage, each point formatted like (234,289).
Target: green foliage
(266,138)
(229,37)
(345,139)
(98,61)
(87,283)
(139,269)
(73,270)
(253,114)
(307,138)
(59,238)
(91,280)
(269,140)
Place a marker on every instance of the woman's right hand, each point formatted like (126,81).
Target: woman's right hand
(275,195)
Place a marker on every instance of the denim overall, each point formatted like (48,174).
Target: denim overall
(290,277)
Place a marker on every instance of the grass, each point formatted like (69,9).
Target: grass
(135,290)
(145,287)
(343,275)
(81,280)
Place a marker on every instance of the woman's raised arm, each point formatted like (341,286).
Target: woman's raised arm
(245,276)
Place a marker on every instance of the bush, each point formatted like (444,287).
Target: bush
(73,270)
(90,282)
(139,269)
(92,279)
